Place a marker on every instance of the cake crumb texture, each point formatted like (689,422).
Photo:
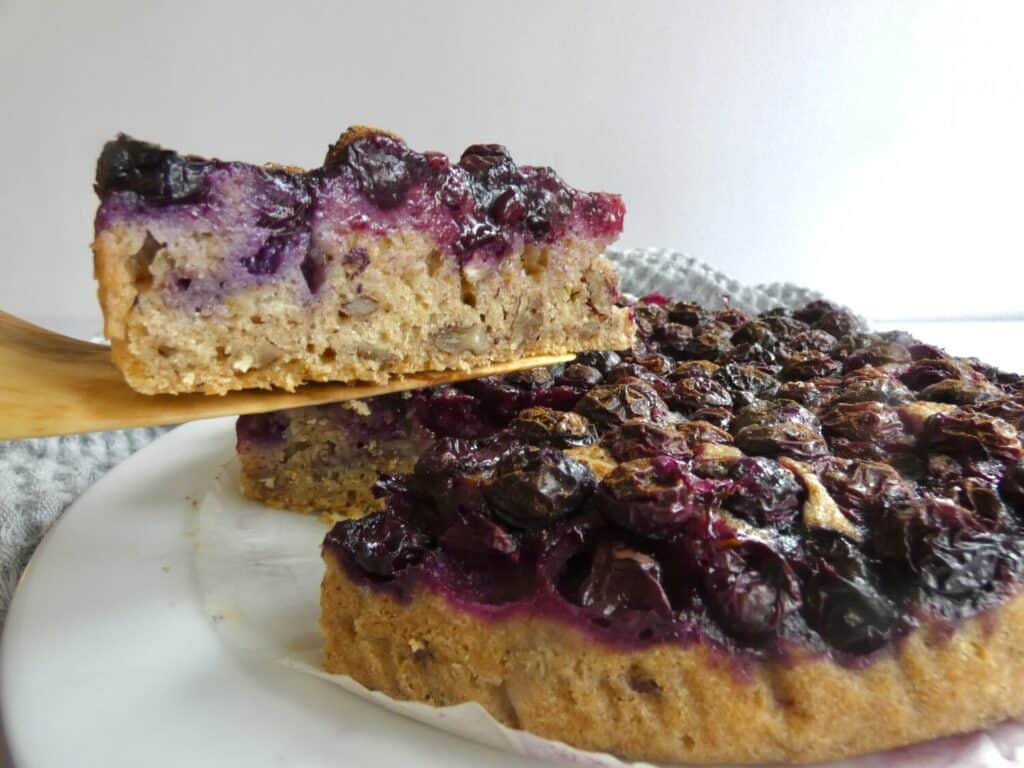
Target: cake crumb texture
(674,702)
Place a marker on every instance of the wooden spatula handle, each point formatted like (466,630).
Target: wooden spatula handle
(56,385)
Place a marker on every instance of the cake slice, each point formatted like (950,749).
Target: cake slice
(327,458)
(215,276)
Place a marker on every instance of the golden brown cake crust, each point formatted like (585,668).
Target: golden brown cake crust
(672,702)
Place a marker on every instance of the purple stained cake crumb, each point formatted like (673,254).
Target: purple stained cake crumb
(274,220)
(676,545)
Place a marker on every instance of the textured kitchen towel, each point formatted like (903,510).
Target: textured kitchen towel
(40,478)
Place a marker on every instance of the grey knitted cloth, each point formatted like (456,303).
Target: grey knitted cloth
(40,478)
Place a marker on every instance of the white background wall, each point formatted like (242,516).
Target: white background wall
(872,150)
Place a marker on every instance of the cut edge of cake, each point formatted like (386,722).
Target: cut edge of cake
(219,276)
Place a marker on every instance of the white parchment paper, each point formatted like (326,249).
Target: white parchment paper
(259,571)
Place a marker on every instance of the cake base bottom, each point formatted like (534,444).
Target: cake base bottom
(673,702)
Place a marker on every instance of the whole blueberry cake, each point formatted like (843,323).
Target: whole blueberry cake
(215,276)
(746,539)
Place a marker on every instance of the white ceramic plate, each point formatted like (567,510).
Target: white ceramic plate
(108,658)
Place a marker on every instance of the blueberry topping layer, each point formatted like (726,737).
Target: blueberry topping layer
(711,493)
(271,219)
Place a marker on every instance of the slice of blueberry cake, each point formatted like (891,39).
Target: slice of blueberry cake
(327,458)
(748,539)
(215,276)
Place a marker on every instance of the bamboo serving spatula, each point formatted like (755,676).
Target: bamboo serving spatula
(55,385)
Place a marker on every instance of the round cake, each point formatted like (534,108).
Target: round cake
(748,539)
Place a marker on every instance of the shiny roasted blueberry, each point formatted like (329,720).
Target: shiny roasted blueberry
(986,371)
(504,396)
(561,397)
(692,394)
(282,200)
(1012,486)
(813,311)
(693,369)
(901,533)
(977,435)
(710,340)
(623,579)
(487,159)
(734,318)
(649,317)
(839,322)
(960,392)
(450,475)
(880,389)
(810,365)
(610,405)
(475,535)
(921,351)
(842,599)
(865,485)
(451,456)
(535,486)
(983,498)
(719,417)
(554,429)
(383,167)
(380,544)
(793,439)
(687,313)
(450,412)
(640,439)
(600,361)
(548,202)
(655,362)
(814,395)
(579,374)
(569,385)
(1007,409)
(158,176)
(784,326)
(851,342)
(746,383)
(774,412)
(534,378)
(750,587)
(696,431)
(751,354)
(927,371)
(628,370)
(673,338)
(813,340)
(756,332)
(653,497)
(960,564)
(879,353)
(763,491)
(944,476)
(868,421)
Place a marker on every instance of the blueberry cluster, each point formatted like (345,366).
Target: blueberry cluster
(695,527)
(481,204)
